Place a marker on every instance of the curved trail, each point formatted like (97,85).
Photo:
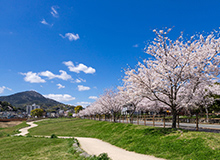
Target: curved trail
(24,131)
(95,146)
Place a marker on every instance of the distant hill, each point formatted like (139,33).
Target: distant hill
(20,100)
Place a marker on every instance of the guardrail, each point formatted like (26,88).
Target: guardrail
(158,120)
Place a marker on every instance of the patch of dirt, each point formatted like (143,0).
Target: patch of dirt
(9,124)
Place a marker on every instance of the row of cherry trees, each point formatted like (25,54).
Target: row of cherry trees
(179,74)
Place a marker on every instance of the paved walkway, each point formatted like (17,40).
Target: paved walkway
(95,147)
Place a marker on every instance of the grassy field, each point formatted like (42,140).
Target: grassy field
(165,143)
(34,148)
(12,130)
(25,148)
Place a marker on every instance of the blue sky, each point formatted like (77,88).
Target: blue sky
(74,49)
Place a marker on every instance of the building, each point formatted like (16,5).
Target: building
(29,108)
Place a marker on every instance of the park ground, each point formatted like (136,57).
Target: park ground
(160,142)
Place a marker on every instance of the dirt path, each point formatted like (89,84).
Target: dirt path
(95,146)
(24,131)
(9,124)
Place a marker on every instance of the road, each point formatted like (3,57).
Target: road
(189,126)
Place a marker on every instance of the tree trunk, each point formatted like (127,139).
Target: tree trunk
(178,121)
(174,113)
(114,117)
(207,115)
(131,119)
(164,121)
(197,122)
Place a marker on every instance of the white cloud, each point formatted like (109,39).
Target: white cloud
(3,88)
(79,80)
(136,45)
(45,22)
(83,88)
(79,68)
(60,86)
(70,36)
(54,11)
(64,75)
(50,75)
(32,77)
(93,97)
(84,104)
(60,97)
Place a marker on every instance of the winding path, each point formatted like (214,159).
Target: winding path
(95,146)
(24,131)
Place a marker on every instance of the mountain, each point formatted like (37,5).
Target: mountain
(29,97)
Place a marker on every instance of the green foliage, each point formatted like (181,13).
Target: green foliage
(161,142)
(103,156)
(216,106)
(28,135)
(53,136)
(37,112)
(70,114)
(6,106)
(77,109)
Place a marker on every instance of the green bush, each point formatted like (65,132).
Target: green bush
(103,156)
(29,135)
(53,136)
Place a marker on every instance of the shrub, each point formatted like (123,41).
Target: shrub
(103,156)
(29,135)
(53,136)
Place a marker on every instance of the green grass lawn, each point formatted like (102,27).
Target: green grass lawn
(166,143)
(12,130)
(25,148)
(34,148)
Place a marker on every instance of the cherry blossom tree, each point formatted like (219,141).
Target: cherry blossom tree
(203,97)
(131,99)
(176,69)
(153,106)
(112,102)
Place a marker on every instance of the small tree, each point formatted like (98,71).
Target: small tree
(78,108)
(37,112)
(70,114)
